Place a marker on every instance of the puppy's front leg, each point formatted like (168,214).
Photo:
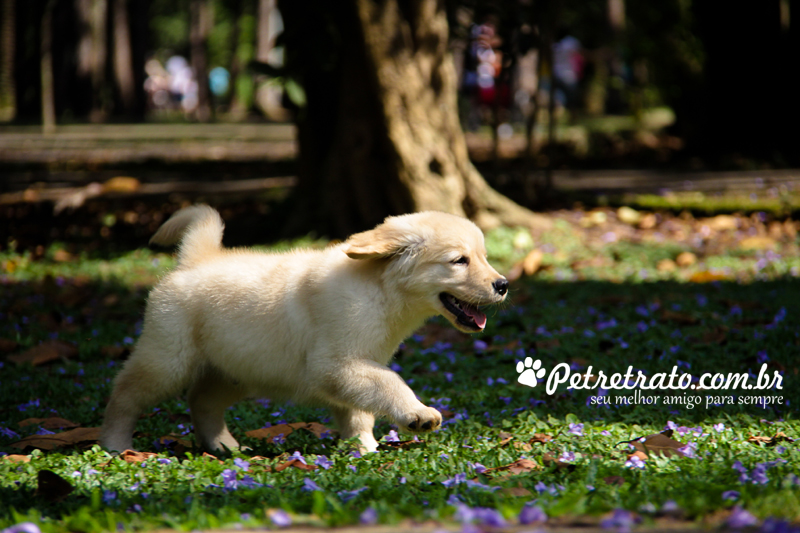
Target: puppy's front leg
(371,387)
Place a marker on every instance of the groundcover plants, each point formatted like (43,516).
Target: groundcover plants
(599,294)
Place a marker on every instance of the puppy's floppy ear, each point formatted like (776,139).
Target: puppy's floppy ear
(383,241)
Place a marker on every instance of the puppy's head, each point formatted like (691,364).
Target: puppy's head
(439,260)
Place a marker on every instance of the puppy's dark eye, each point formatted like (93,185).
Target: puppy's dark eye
(463,260)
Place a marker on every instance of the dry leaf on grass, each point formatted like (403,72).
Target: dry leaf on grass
(52,422)
(132,456)
(67,438)
(46,352)
(549,460)
(15,458)
(52,487)
(540,438)
(401,444)
(296,463)
(286,429)
(520,466)
(657,444)
(770,441)
(705,276)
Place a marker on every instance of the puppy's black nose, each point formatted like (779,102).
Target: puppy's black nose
(501,286)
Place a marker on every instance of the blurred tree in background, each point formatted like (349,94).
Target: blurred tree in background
(373,88)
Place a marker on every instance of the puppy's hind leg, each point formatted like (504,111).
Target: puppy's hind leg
(355,423)
(209,397)
(143,382)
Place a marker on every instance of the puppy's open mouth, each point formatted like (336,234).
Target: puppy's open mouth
(466,314)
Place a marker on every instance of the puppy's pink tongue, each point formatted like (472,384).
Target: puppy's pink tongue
(476,315)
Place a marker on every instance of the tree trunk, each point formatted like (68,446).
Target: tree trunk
(8,36)
(46,65)
(92,52)
(123,57)
(200,26)
(380,133)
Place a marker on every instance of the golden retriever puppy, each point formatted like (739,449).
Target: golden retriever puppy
(315,327)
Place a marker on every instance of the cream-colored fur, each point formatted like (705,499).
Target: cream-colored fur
(310,326)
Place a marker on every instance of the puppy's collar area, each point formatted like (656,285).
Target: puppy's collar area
(466,314)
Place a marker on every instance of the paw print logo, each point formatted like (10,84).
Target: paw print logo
(530,372)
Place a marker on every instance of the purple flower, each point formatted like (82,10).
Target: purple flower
(540,487)
(323,461)
(759,474)
(392,436)
(347,495)
(774,525)
(43,431)
(309,485)
(489,517)
(354,468)
(459,478)
(278,439)
(369,517)
(567,457)
(740,518)
(479,345)
(356,454)
(635,462)
(23,527)
(164,461)
(689,450)
(531,514)
(731,495)
(229,481)
(576,429)
(621,520)
(719,428)
(109,496)
(280,518)
(739,467)
(296,455)
(479,468)
(240,463)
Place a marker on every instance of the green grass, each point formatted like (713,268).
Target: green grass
(611,313)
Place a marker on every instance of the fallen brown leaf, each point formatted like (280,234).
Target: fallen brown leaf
(706,276)
(286,429)
(57,440)
(540,438)
(51,486)
(132,456)
(770,441)
(15,458)
(549,460)
(296,463)
(505,438)
(614,480)
(657,444)
(48,351)
(520,466)
(53,422)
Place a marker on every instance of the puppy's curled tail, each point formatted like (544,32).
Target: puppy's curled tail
(198,229)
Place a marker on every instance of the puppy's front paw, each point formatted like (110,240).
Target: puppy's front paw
(425,419)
